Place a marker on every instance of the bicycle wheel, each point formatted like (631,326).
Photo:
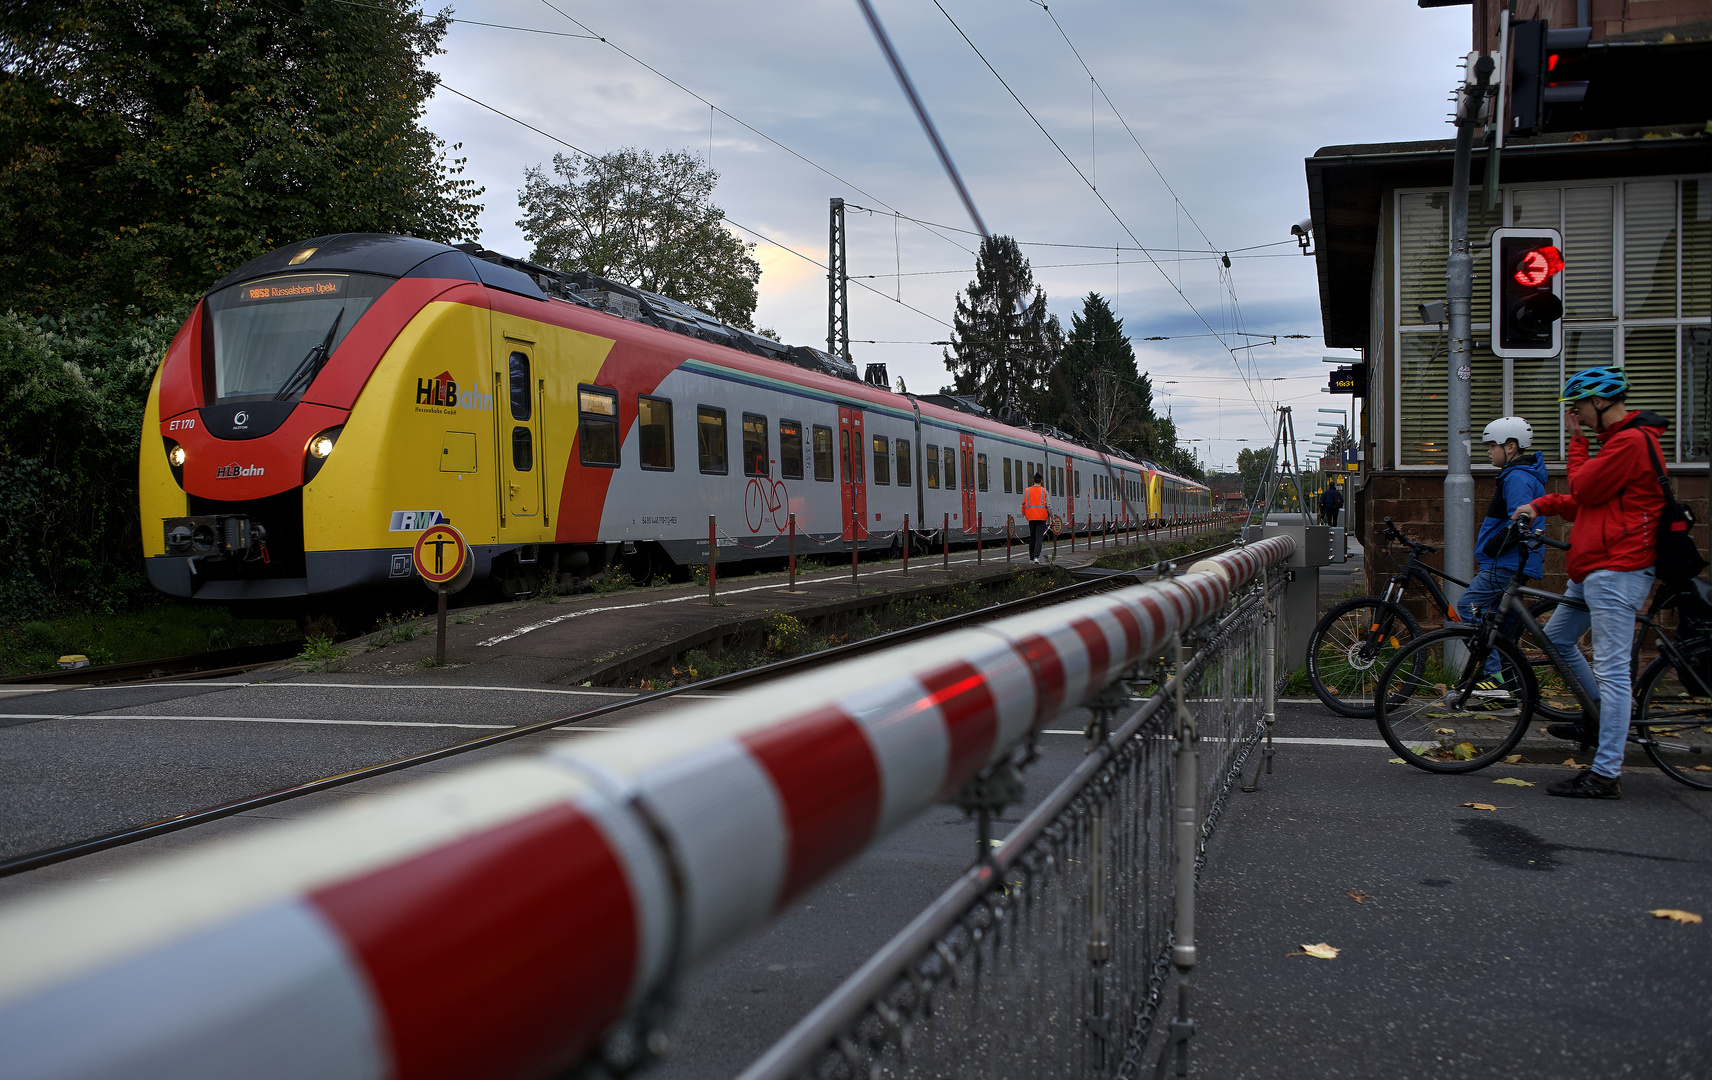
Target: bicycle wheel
(1674,717)
(1555,703)
(1426,708)
(1350,646)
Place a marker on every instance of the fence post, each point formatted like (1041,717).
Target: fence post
(1269,673)
(1055,545)
(906,545)
(945,544)
(712,558)
(977,536)
(1010,529)
(1185,838)
(793,550)
(855,543)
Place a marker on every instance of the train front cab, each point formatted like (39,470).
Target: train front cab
(430,402)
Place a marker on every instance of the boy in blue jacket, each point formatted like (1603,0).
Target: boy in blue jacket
(1521,480)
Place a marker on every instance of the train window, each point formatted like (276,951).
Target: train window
(968,459)
(844,453)
(948,473)
(264,338)
(932,465)
(597,441)
(522,449)
(1078,481)
(822,453)
(519,386)
(903,462)
(882,460)
(710,439)
(981,472)
(654,431)
(756,460)
(1007,462)
(790,449)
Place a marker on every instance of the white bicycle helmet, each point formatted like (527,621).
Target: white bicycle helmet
(1509,427)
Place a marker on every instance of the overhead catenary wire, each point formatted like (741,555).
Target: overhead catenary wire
(734,224)
(1176,287)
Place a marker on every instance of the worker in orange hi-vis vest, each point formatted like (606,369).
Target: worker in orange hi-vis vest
(1034,509)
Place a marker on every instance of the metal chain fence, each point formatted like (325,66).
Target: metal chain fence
(1049,960)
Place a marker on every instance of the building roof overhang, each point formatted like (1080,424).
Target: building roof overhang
(1346,186)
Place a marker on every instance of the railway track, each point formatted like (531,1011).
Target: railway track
(178,822)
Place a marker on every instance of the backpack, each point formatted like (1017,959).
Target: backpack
(1677,560)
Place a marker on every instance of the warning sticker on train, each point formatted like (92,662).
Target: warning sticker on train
(440,554)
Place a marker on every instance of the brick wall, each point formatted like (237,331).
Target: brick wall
(1415,501)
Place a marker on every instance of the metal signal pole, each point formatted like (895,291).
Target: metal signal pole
(837,286)
(1459,299)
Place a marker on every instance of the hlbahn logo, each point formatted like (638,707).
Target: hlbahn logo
(228,472)
(442,392)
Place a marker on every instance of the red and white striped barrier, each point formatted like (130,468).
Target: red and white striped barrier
(495,922)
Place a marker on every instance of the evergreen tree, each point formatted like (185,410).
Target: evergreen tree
(1003,341)
(148,147)
(645,220)
(1097,390)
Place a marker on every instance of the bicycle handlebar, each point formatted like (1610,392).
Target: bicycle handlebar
(1393,533)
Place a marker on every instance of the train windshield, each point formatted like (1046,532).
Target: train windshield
(271,337)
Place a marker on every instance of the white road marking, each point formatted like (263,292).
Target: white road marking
(246,720)
(1296,742)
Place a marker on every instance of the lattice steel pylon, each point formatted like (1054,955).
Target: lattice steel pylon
(1283,463)
(837,286)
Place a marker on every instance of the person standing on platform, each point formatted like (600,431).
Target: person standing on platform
(1331,501)
(1035,511)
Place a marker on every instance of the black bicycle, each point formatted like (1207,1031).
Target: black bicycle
(1352,643)
(1431,712)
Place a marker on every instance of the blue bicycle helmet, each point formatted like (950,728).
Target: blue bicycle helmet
(1609,383)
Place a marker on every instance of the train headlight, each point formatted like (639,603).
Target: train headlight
(176,456)
(320,448)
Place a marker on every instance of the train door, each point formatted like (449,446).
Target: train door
(853,487)
(966,454)
(517,428)
(1070,493)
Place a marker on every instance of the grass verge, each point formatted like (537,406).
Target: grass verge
(168,630)
(784,636)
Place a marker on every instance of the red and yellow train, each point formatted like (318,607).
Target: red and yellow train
(328,401)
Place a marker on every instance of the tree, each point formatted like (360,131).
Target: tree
(648,221)
(1251,465)
(148,147)
(1099,393)
(1003,341)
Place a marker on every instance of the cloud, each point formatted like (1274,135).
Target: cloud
(1226,96)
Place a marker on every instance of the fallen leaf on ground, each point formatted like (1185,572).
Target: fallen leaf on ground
(1464,751)
(1478,805)
(1697,768)
(1663,913)
(1513,759)
(1444,731)
(1356,895)
(1321,951)
(1400,761)
(1667,734)
(1513,782)
(1572,764)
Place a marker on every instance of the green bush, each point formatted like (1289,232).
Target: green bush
(72,392)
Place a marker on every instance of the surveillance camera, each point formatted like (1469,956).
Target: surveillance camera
(1303,227)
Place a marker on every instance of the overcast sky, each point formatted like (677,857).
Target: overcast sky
(1225,96)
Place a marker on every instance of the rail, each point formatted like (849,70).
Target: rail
(501,920)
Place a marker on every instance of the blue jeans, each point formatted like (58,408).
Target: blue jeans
(1613,598)
(1483,593)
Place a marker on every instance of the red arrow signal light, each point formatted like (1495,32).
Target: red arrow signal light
(1536,267)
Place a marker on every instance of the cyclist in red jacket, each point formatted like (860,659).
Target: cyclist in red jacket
(1614,501)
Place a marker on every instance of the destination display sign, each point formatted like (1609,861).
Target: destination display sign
(295,287)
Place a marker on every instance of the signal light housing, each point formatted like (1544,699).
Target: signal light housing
(1527,292)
